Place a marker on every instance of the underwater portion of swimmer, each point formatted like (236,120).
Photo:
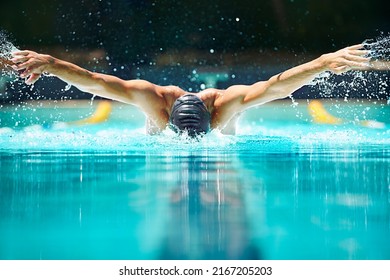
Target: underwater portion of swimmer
(171,106)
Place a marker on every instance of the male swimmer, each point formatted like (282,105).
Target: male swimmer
(195,114)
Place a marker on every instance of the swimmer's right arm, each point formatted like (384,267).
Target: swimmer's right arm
(32,65)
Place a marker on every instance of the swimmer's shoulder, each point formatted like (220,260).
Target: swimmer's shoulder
(209,96)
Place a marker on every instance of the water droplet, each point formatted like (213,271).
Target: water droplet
(67,87)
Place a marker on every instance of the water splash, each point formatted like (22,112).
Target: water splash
(268,139)
(8,76)
(359,86)
(379,48)
(6,49)
(363,84)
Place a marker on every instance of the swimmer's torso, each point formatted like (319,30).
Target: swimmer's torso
(158,113)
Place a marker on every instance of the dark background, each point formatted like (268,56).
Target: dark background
(166,41)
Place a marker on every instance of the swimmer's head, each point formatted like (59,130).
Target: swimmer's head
(191,115)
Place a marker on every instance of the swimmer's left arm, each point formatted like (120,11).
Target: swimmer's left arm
(287,82)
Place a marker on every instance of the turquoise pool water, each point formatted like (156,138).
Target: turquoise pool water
(283,188)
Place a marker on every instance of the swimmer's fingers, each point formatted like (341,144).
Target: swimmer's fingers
(355,50)
(28,64)
(355,47)
(17,59)
(30,71)
(22,53)
(357,58)
(33,78)
(349,58)
(23,56)
(357,62)
(341,69)
(26,73)
(348,65)
(19,53)
(354,53)
(359,52)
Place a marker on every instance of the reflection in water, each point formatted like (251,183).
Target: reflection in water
(207,212)
(78,206)
(277,204)
(321,205)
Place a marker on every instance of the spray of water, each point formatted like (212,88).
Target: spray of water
(13,90)
(359,86)
(6,49)
(379,49)
(364,84)
(7,74)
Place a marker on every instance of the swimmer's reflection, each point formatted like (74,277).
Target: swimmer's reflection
(207,218)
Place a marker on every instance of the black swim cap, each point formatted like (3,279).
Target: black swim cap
(190,114)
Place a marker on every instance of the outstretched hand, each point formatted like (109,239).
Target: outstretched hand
(346,59)
(30,64)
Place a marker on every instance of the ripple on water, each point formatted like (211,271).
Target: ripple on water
(262,139)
